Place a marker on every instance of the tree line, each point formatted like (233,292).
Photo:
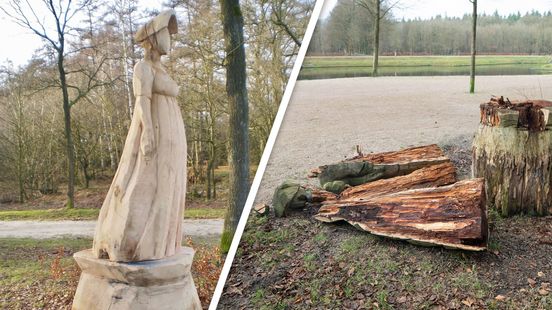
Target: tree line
(99,54)
(349,30)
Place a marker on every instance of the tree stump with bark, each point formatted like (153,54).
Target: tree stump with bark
(512,152)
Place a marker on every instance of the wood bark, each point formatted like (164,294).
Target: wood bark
(517,167)
(533,115)
(431,176)
(511,150)
(430,152)
(381,165)
(69,147)
(232,20)
(452,216)
(423,204)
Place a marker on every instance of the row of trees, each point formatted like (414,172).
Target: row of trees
(349,30)
(42,126)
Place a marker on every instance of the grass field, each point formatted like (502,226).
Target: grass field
(92,214)
(42,274)
(316,67)
(297,262)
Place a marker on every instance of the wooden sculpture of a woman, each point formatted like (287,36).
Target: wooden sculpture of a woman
(141,216)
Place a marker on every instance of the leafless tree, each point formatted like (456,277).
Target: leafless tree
(60,14)
(378,9)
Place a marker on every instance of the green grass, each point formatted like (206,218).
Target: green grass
(315,67)
(321,267)
(204,213)
(420,61)
(49,214)
(92,214)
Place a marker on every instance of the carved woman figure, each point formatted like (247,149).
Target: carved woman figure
(141,216)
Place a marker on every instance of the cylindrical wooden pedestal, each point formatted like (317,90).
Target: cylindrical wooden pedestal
(157,284)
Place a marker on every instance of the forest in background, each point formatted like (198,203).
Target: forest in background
(100,60)
(348,30)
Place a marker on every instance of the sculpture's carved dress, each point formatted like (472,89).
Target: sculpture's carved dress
(141,216)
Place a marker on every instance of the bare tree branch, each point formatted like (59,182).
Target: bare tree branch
(279,22)
(18,17)
(366,4)
(389,8)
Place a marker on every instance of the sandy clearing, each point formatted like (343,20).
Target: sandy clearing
(325,119)
(54,229)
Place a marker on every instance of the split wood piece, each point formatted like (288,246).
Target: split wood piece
(319,195)
(453,216)
(432,176)
(424,152)
(436,175)
(367,168)
(517,167)
(531,114)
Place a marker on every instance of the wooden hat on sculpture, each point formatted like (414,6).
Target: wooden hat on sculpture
(137,261)
(166,19)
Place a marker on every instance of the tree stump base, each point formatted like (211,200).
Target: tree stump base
(512,152)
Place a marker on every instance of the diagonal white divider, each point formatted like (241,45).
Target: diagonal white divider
(266,153)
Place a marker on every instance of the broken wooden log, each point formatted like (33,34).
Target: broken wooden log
(371,167)
(453,216)
(431,176)
(517,167)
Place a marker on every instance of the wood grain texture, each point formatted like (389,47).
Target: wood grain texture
(141,216)
(362,169)
(530,114)
(319,195)
(431,176)
(452,216)
(517,169)
(425,152)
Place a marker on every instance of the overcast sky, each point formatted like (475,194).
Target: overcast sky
(19,44)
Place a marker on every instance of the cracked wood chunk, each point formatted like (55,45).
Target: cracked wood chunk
(363,169)
(453,216)
(431,176)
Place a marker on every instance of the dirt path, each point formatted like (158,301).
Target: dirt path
(327,118)
(52,229)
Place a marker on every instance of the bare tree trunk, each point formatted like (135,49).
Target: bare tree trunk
(474,30)
(68,134)
(377,21)
(20,152)
(232,20)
